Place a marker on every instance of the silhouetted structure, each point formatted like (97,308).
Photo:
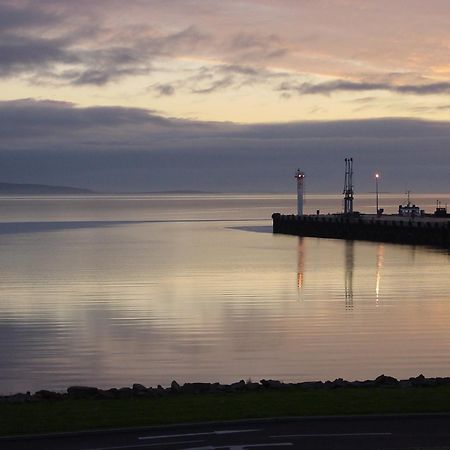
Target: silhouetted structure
(348,186)
(300,177)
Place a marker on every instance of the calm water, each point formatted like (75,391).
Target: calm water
(108,291)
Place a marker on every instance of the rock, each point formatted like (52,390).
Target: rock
(215,388)
(125,392)
(223,388)
(312,384)
(364,384)
(139,390)
(196,388)
(238,386)
(108,393)
(421,381)
(155,392)
(272,384)
(47,395)
(250,386)
(82,392)
(19,398)
(161,391)
(139,387)
(418,381)
(442,381)
(339,383)
(385,380)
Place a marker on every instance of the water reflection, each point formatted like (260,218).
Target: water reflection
(346,268)
(171,297)
(380,261)
(349,269)
(300,263)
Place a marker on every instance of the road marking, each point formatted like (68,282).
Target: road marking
(218,433)
(332,435)
(131,446)
(242,446)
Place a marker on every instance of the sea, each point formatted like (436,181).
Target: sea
(111,290)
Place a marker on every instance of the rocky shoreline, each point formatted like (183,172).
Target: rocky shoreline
(141,391)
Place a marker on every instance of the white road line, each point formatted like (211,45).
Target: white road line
(218,433)
(332,435)
(131,446)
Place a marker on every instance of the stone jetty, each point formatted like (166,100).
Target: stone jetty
(426,230)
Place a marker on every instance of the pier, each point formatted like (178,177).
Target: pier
(426,230)
(410,226)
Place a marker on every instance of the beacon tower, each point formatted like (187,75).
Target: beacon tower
(300,176)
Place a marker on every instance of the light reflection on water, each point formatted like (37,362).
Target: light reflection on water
(148,289)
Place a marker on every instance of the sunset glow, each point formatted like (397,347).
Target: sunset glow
(235,81)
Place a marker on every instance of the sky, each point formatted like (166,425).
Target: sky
(149,95)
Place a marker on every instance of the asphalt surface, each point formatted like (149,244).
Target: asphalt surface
(349,433)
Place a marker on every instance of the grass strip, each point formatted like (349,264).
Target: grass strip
(75,415)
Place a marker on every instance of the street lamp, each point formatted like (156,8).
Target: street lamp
(377,176)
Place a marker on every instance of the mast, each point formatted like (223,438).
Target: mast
(348,186)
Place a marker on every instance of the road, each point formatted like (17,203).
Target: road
(348,433)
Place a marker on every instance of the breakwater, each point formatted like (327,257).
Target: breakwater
(426,230)
(141,391)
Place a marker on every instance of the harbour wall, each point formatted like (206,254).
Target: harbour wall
(402,230)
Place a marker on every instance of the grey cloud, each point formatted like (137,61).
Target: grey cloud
(363,100)
(270,43)
(189,38)
(97,77)
(215,86)
(430,108)
(102,76)
(425,89)
(27,118)
(18,54)
(242,70)
(12,17)
(20,114)
(70,56)
(256,48)
(330,87)
(247,40)
(102,66)
(211,79)
(111,148)
(164,89)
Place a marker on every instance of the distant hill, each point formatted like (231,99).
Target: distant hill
(30,189)
(190,192)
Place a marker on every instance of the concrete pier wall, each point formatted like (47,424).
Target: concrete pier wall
(395,229)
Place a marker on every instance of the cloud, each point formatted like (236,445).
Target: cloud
(52,48)
(27,118)
(87,43)
(114,148)
(164,89)
(44,42)
(331,87)
(13,17)
(215,86)
(22,54)
(220,77)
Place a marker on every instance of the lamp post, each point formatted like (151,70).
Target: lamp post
(377,176)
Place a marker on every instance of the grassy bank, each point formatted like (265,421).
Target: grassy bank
(71,414)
